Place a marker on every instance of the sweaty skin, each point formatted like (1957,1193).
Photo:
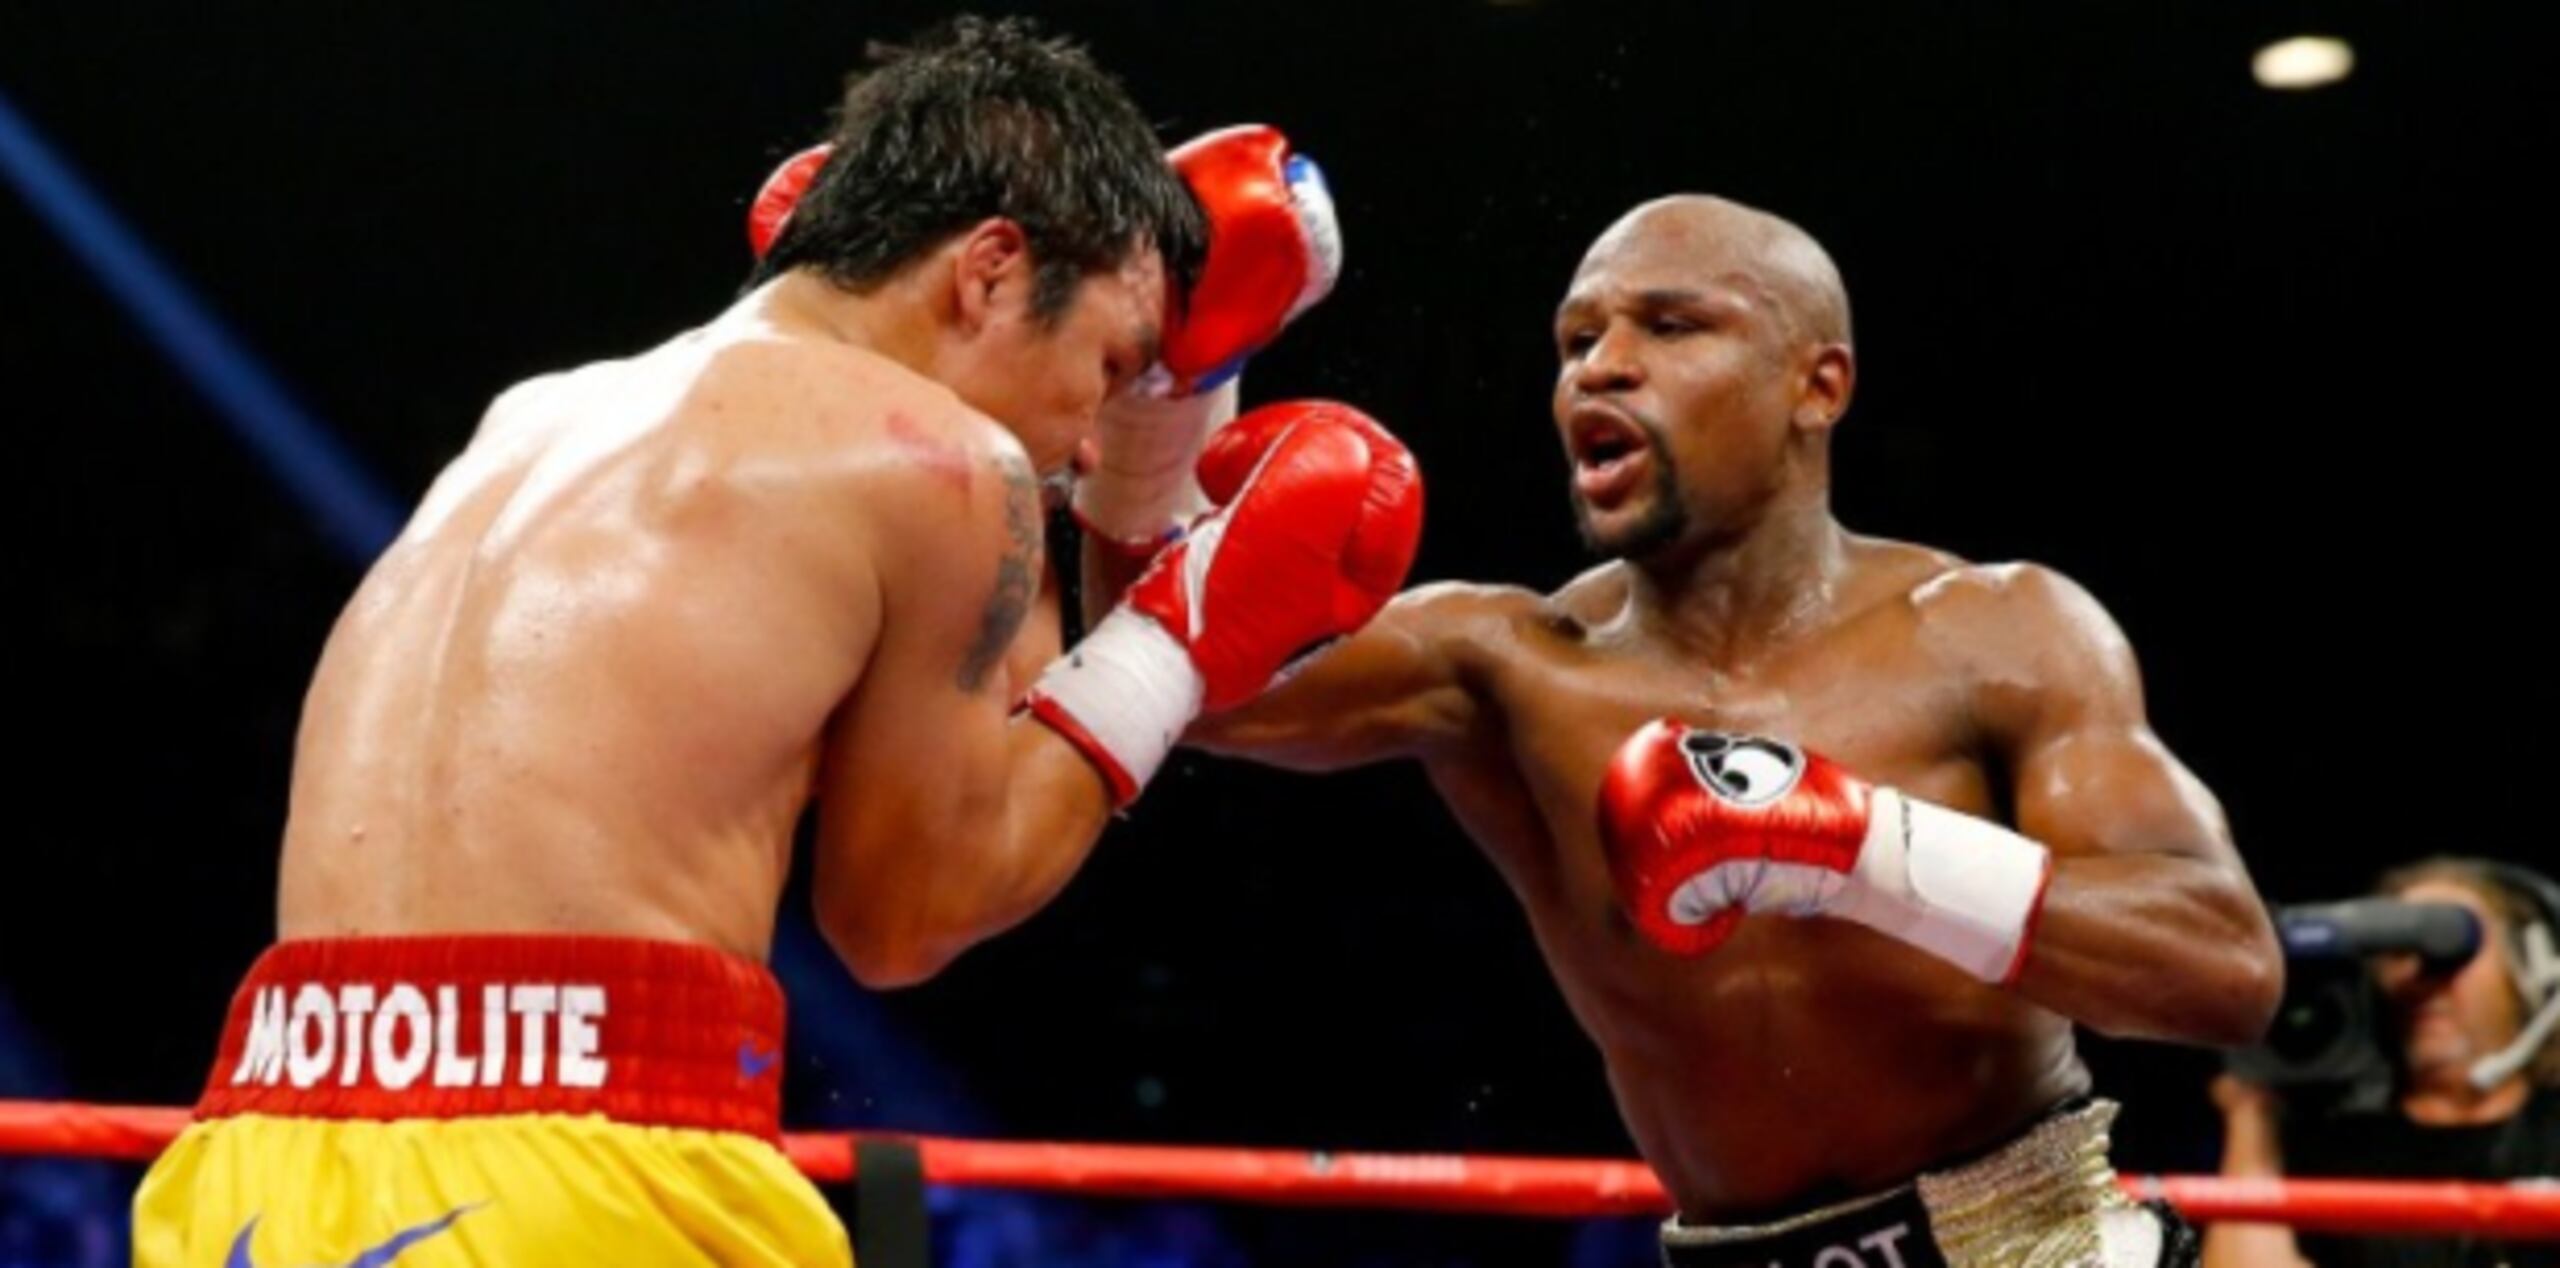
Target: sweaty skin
(660,604)
(1806,1060)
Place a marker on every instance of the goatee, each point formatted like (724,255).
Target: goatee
(1661,524)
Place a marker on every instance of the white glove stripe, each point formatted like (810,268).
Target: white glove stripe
(1318,228)
(1198,554)
(1132,688)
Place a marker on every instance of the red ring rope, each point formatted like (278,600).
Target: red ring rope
(2525,1211)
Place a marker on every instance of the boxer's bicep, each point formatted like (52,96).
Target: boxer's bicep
(2063,711)
(917,771)
(2150,925)
(1398,688)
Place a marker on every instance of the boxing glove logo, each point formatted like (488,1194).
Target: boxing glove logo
(1745,770)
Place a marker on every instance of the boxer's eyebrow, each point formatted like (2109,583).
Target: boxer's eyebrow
(1719,299)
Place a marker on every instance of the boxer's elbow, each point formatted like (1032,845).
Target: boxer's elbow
(2193,964)
(2233,979)
(884,967)
(2224,1005)
(2245,975)
(881,951)
(2252,986)
(2228,1006)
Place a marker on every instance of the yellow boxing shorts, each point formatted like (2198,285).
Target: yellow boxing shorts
(433,1102)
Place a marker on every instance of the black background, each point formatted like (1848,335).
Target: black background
(2257,368)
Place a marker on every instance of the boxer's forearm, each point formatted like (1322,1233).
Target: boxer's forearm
(1142,493)
(1058,809)
(2154,946)
(1394,690)
(1341,712)
(1108,571)
(932,898)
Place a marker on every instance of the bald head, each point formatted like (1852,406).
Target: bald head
(1779,265)
(1711,340)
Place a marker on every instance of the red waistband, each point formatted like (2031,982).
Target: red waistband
(648,1033)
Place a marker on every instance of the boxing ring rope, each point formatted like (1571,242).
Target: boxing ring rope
(1570,1187)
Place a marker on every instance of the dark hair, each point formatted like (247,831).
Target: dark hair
(978,119)
(2516,908)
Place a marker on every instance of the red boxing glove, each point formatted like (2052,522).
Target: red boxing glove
(780,194)
(1322,513)
(1702,827)
(1274,246)
(1274,250)
(1321,510)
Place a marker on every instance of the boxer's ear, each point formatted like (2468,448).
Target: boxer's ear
(990,260)
(1830,374)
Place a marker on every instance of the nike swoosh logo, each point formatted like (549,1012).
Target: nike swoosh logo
(377,1257)
(753,1064)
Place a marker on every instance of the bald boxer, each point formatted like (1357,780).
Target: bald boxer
(1828,839)
(552,759)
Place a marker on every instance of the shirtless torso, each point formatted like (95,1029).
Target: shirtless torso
(642,620)
(1804,1061)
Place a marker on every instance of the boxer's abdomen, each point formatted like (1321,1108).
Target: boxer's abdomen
(1805,1060)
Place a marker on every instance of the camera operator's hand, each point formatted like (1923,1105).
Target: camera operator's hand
(2249,1151)
(2249,1142)
(2238,1098)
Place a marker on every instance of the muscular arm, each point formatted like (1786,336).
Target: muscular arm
(1134,421)
(1392,690)
(944,818)
(1107,573)
(1398,688)
(2150,927)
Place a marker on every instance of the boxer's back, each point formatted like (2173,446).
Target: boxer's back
(584,691)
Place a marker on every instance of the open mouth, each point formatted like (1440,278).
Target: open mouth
(1610,454)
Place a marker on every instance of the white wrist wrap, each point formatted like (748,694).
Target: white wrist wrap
(1960,888)
(1128,690)
(1142,489)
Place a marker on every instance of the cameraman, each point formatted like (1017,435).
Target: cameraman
(2469,1101)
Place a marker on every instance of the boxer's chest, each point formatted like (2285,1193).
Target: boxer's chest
(1865,696)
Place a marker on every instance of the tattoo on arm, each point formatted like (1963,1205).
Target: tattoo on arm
(1017,577)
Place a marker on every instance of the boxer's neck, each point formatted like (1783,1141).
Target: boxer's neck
(1726,598)
(890,320)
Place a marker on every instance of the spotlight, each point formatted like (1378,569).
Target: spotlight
(2303,62)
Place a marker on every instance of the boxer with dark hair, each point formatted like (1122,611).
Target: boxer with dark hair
(553,756)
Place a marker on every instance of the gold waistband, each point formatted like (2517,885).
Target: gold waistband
(2035,1201)
(2031,1203)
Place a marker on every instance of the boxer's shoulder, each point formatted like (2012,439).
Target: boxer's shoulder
(1466,619)
(2018,624)
(826,386)
(1497,621)
(856,417)
(1982,597)
(1593,596)
(541,402)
